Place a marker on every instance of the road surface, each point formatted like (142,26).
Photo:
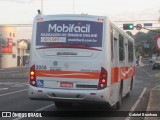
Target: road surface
(14,96)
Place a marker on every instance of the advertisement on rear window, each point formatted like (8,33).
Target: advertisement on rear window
(57,32)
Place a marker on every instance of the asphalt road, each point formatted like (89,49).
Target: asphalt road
(13,70)
(14,96)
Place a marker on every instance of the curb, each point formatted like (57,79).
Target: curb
(23,72)
(21,67)
(157,75)
(153,103)
(22,75)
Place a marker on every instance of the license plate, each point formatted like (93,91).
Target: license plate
(66,84)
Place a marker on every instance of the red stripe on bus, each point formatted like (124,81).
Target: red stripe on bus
(68,74)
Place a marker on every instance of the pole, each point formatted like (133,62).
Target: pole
(0,51)
(42,6)
(73,7)
(159,16)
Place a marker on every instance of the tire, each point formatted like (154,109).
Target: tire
(131,87)
(119,103)
(128,94)
(62,104)
(117,106)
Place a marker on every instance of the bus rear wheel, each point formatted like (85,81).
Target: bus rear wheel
(119,103)
(117,106)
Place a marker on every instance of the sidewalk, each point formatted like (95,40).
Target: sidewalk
(154,102)
(20,67)
(14,72)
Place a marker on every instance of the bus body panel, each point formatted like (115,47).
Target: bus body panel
(69,95)
(70,63)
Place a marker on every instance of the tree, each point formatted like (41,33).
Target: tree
(148,37)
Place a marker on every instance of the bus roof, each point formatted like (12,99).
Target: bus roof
(88,16)
(71,15)
(122,32)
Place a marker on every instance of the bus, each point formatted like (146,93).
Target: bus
(80,59)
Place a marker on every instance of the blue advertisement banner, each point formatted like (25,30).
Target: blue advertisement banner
(88,33)
(146,45)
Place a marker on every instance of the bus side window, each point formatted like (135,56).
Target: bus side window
(130,51)
(111,38)
(121,48)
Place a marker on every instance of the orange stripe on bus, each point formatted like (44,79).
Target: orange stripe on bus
(114,75)
(124,73)
(68,74)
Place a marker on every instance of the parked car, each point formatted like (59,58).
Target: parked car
(156,65)
(152,60)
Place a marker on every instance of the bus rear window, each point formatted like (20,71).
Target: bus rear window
(60,32)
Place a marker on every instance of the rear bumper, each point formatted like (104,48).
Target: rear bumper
(68,95)
(156,66)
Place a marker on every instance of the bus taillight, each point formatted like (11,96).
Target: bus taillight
(102,79)
(33,76)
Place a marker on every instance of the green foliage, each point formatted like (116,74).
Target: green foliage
(149,37)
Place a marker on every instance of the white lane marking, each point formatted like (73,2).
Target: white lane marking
(3,88)
(14,84)
(38,110)
(142,78)
(44,108)
(146,72)
(157,74)
(26,83)
(7,83)
(13,92)
(136,103)
(20,84)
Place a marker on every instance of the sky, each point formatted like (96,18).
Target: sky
(24,11)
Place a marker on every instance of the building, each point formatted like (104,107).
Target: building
(15,45)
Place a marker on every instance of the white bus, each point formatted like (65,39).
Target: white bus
(80,58)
